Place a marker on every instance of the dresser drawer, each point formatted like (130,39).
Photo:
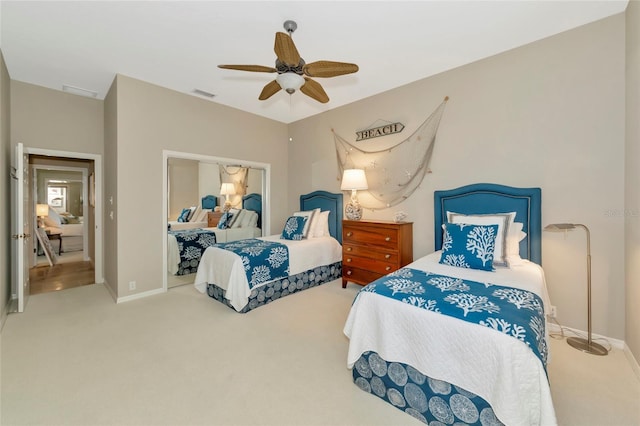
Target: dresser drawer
(383,237)
(385,254)
(360,276)
(367,263)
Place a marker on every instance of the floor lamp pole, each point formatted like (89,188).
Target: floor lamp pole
(587,345)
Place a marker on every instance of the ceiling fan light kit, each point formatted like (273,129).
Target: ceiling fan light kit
(293,71)
(290,81)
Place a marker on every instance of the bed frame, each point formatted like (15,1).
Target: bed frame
(304,280)
(481,198)
(253,202)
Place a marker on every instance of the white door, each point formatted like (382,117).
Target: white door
(22,229)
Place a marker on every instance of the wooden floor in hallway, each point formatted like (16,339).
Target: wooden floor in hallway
(61,276)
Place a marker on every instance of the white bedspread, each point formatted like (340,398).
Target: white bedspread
(224,268)
(497,367)
(222,236)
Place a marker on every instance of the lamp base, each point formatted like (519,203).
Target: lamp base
(583,345)
(353,210)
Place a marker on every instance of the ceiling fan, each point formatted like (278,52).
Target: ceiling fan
(293,72)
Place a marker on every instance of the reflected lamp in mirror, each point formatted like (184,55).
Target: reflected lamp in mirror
(585,345)
(42,210)
(227,189)
(353,180)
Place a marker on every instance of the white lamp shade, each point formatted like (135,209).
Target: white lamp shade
(42,210)
(290,81)
(227,189)
(354,179)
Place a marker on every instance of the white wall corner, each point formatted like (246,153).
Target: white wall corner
(114,296)
(632,360)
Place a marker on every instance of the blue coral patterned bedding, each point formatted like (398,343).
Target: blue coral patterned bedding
(483,331)
(262,260)
(514,312)
(191,244)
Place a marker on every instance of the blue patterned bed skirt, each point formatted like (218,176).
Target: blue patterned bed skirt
(431,401)
(277,289)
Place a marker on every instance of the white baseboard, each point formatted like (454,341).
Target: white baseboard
(615,343)
(140,295)
(5,313)
(110,290)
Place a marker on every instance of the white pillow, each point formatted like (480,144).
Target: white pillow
(503,220)
(513,239)
(53,219)
(237,222)
(202,217)
(252,221)
(195,212)
(307,224)
(234,216)
(321,225)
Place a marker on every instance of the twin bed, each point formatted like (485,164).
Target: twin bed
(186,241)
(223,275)
(444,343)
(450,345)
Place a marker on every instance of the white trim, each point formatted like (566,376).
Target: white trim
(632,360)
(141,295)
(85,204)
(98,208)
(114,296)
(615,343)
(266,191)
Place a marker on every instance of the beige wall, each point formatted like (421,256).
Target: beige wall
(549,115)
(152,119)
(5,210)
(183,185)
(632,180)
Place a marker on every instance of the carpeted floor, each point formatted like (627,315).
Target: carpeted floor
(76,358)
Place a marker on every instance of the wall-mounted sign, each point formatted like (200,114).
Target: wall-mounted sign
(388,129)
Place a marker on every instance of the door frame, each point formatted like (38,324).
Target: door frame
(98,208)
(85,198)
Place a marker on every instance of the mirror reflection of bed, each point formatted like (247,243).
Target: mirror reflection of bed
(196,200)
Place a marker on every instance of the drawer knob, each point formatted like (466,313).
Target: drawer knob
(387,256)
(349,234)
(388,268)
(348,260)
(348,272)
(388,239)
(349,248)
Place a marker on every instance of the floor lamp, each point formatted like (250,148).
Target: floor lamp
(585,345)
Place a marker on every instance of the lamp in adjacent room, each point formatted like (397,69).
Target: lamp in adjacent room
(354,180)
(227,189)
(585,345)
(42,210)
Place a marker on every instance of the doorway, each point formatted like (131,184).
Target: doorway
(69,184)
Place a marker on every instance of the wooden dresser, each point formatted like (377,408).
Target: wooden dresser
(213,218)
(371,249)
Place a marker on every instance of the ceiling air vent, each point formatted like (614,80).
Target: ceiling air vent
(203,93)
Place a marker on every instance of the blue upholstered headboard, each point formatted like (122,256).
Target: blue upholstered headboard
(326,201)
(209,202)
(483,198)
(253,202)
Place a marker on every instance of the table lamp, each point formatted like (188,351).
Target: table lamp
(227,189)
(353,179)
(42,210)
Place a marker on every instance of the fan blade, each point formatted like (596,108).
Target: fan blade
(329,69)
(269,90)
(252,68)
(314,90)
(285,50)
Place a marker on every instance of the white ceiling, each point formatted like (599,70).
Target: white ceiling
(179,44)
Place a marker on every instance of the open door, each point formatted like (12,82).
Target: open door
(21,236)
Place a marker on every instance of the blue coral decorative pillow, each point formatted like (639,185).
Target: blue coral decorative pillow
(225,220)
(294,228)
(469,246)
(184,215)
